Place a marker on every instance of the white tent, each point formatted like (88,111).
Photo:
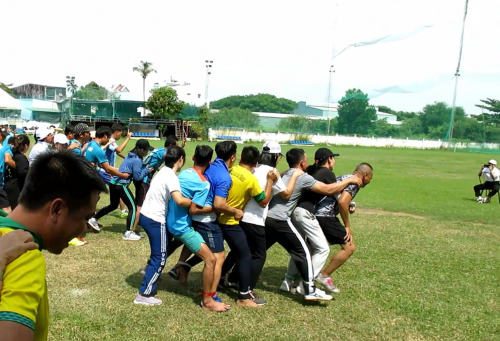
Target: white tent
(8,102)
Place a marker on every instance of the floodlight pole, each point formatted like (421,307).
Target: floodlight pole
(70,84)
(329,94)
(457,74)
(208,65)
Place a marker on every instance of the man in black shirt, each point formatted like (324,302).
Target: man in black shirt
(327,211)
(304,220)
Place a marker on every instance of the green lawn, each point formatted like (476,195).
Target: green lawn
(426,268)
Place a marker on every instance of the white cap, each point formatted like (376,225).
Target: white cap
(493,162)
(42,133)
(274,147)
(60,138)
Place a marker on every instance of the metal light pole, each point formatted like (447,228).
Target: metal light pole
(208,65)
(329,98)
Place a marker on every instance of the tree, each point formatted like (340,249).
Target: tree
(6,88)
(256,103)
(234,118)
(355,114)
(411,128)
(438,114)
(201,126)
(381,128)
(91,91)
(144,69)
(164,103)
(490,105)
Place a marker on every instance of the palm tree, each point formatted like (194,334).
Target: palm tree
(6,88)
(144,69)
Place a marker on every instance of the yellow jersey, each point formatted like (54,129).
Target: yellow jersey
(24,297)
(244,187)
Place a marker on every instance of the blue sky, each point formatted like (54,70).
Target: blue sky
(278,47)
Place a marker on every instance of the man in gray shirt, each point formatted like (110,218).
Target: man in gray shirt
(279,227)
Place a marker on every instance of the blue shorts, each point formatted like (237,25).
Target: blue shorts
(212,235)
(105,176)
(191,239)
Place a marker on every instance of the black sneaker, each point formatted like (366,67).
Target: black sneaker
(256,299)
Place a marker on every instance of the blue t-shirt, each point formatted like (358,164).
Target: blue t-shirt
(95,154)
(194,186)
(111,153)
(76,150)
(6,141)
(154,160)
(3,150)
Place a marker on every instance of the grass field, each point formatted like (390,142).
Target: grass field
(426,268)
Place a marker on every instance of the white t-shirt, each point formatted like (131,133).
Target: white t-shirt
(38,148)
(155,205)
(253,213)
(491,176)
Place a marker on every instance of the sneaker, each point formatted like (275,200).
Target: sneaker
(286,285)
(130,235)
(94,225)
(328,284)
(146,300)
(256,299)
(78,241)
(300,288)
(124,214)
(479,199)
(173,273)
(143,271)
(137,234)
(318,295)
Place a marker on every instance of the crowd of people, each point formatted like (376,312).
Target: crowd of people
(237,198)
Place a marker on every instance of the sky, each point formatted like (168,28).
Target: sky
(284,48)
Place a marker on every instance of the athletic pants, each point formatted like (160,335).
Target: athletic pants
(117,192)
(491,185)
(256,238)
(311,231)
(158,241)
(284,233)
(237,241)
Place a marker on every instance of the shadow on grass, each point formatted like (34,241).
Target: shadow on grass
(270,282)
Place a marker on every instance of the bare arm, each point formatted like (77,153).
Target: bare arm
(124,143)
(13,331)
(120,155)
(73,145)
(336,187)
(113,170)
(344,201)
(291,184)
(269,193)
(221,206)
(195,209)
(180,200)
(9,160)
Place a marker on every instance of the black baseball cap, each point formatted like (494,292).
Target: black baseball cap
(143,144)
(323,154)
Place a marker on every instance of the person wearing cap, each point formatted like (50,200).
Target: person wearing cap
(60,142)
(81,134)
(326,213)
(118,188)
(280,229)
(44,140)
(492,174)
(254,215)
(15,176)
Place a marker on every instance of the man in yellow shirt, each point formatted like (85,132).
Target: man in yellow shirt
(244,187)
(60,194)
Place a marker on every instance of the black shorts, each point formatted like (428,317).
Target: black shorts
(333,229)
(141,189)
(4,199)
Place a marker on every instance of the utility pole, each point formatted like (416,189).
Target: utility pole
(208,65)
(329,97)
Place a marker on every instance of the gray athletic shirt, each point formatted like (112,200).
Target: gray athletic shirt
(281,209)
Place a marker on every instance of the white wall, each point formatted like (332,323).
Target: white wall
(352,140)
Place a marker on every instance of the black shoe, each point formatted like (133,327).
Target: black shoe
(256,299)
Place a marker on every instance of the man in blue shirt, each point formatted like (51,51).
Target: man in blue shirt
(81,134)
(96,155)
(196,187)
(4,199)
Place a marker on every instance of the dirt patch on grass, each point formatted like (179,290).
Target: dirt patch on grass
(397,214)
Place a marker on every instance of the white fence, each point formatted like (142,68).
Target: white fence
(349,140)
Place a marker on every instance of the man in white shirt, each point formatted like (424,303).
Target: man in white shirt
(44,139)
(492,174)
(164,187)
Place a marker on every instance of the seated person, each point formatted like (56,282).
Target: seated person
(492,174)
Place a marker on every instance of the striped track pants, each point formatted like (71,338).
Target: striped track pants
(117,192)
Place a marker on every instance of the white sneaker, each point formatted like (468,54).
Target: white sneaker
(143,271)
(94,225)
(318,295)
(146,300)
(130,235)
(479,200)
(287,285)
(328,284)
(137,234)
(300,288)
